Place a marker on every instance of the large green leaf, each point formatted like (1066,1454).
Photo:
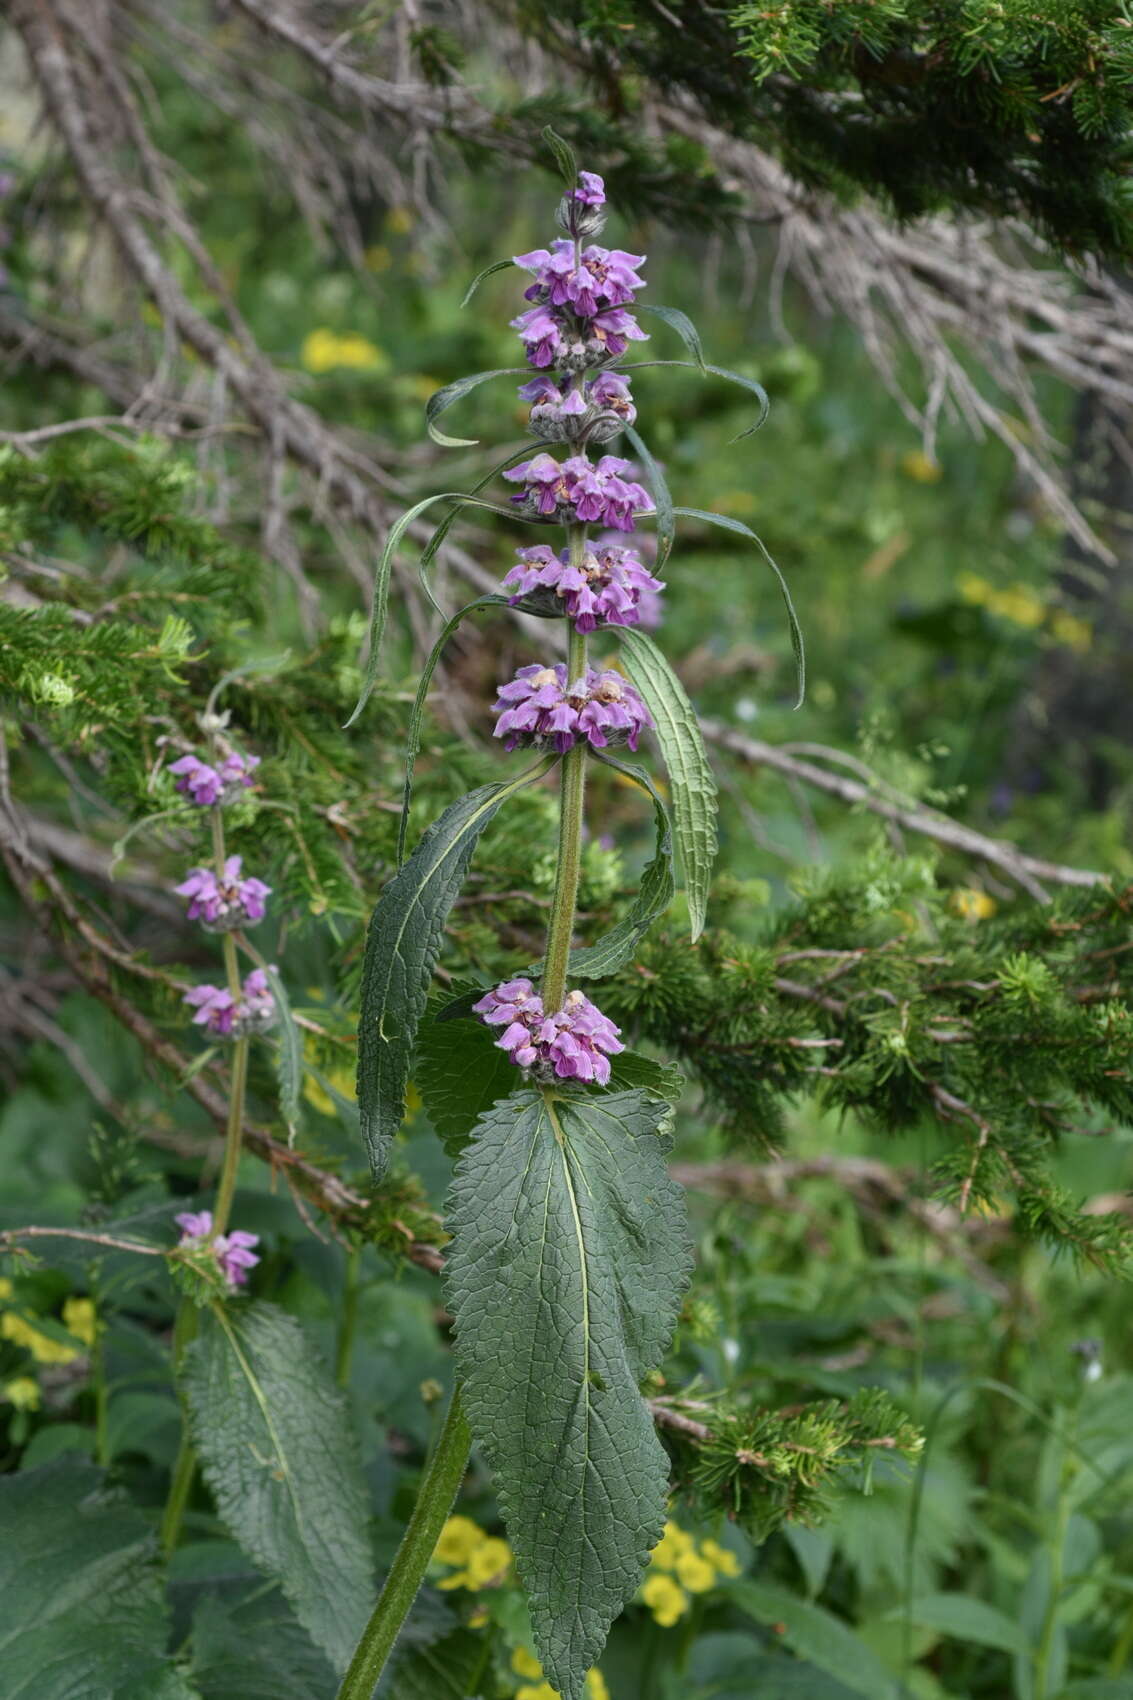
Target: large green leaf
(817,1636)
(440,400)
(84,1614)
(402,946)
(278,1452)
(569,1256)
(728,524)
(690,776)
(252,1648)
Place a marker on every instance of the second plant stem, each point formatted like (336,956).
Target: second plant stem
(560,927)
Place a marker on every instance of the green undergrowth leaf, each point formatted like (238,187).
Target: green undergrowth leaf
(742,530)
(690,776)
(969,1620)
(252,1648)
(446,1670)
(570,1253)
(817,1636)
(280,1456)
(441,400)
(84,1611)
(402,947)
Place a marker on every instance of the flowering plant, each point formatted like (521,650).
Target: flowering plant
(569,1252)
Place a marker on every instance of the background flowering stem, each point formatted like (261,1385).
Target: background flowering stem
(227,1187)
(572,796)
(438,1489)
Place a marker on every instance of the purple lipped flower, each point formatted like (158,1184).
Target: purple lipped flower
(222,903)
(575,1043)
(591,189)
(545,336)
(579,489)
(601,277)
(610,333)
(206,785)
(541,707)
(608,587)
(233,1251)
(226,1017)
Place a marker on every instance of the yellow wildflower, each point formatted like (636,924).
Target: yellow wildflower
(973,588)
(673,1543)
(1019,605)
(665,1600)
(79,1319)
(1070,630)
(972,905)
(524,1663)
(23,1393)
(324,350)
(920,467)
(596,1688)
(724,1561)
(6,1288)
(490,1559)
(42,1347)
(695,1573)
(458,1540)
(400,220)
(537,1691)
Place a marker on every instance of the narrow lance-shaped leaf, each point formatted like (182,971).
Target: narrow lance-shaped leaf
(690,776)
(679,322)
(663,502)
(742,530)
(496,266)
(402,947)
(279,1454)
(564,156)
(289,1052)
(569,1256)
(413,737)
(717,372)
(441,400)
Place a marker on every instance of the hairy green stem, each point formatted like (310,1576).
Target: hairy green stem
(438,1489)
(572,798)
(227,1188)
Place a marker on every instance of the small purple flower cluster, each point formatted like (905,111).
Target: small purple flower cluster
(591,413)
(577,491)
(206,785)
(233,1251)
(225,1016)
(575,1043)
(540,707)
(610,585)
(222,902)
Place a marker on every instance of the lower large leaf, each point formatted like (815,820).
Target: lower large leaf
(570,1253)
(402,947)
(279,1454)
(84,1613)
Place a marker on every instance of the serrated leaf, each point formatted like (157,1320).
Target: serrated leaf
(444,398)
(496,266)
(413,736)
(280,1456)
(288,1054)
(690,776)
(84,1610)
(253,1649)
(728,524)
(716,372)
(446,1670)
(816,1635)
(402,946)
(570,1252)
(965,1618)
(662,501)
(631,1071)
(679,322)
(564,156)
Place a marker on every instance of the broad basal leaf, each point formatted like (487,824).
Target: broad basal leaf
(690,776)
(569,1255)
(402,946)
(281,1459)
(84,1612)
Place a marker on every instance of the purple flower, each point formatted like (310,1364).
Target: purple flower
(224,1016)
(576,1043)
(233,1251)
(545,336)
(578,489)
(591,191)
(223,903)
(539,707)
(206,786)
(594,411)
(602,277)
(611,332)
(609,587)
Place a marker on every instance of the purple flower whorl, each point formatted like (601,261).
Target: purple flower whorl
(227,1017)
(575,1043)
(610,586)
(222,903)
(206,785)
(577,491)
(540,707)
(233,1251)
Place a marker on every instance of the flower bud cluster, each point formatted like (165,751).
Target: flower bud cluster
(539,708)
(574,1043)
(233,1251)
(608,586)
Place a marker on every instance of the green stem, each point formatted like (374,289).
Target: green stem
(181,1480)
(344,1345)
(227,1188)
(438,1489)
(572,799)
